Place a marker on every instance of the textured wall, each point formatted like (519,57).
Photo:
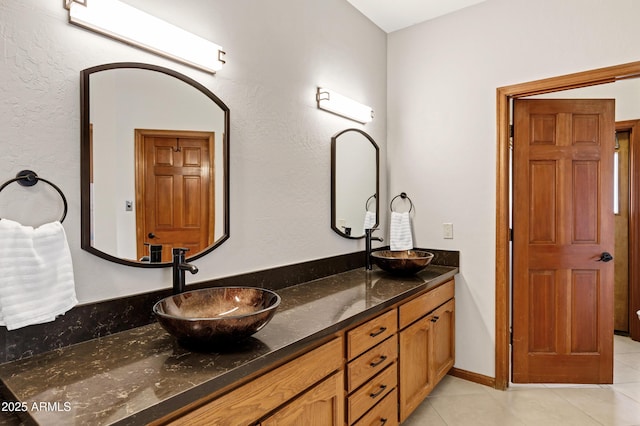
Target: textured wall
(443,76)
(278,52)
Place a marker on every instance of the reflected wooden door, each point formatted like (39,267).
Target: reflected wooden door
(174,191)
(563,223)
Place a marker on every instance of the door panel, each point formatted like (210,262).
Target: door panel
(563,221)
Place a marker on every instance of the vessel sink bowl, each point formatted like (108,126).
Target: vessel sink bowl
(405,262)
(217,314)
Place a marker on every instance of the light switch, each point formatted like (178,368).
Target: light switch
(447,231)
(128,206)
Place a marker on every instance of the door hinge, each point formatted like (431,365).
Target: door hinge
(510,234)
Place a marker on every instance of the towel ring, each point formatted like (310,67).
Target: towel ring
(366,205)
(30,178)
(404,196)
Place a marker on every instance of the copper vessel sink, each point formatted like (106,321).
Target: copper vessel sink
(405,262)
(217,314)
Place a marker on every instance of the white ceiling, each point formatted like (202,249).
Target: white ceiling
(392,15)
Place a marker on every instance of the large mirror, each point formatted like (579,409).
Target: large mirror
(355,178)
(155,164)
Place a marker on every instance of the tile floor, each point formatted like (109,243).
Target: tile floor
(456,402)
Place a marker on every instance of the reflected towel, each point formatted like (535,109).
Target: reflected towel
(369,220)
(400,232)
(36,274)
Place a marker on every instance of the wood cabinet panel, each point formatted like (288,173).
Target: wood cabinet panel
(385,413)
(248,403)
(322,405)
(421,305)
(372,392)
(371,363)
(444,339)
(416,378)
(371,333)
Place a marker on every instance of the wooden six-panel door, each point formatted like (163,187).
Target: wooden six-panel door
(563,223)
(174,190)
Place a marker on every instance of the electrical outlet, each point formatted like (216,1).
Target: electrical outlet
(447,231)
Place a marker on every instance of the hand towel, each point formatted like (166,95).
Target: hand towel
(36,274)
(400,232)
(369,220)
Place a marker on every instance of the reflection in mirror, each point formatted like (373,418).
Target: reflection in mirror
(155,165)
(354,183)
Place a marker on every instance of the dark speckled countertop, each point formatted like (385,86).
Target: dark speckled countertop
(142,374)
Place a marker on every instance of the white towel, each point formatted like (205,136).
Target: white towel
(400,232)
(36,274)
(369,220)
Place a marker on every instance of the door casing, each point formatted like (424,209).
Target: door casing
(503,183)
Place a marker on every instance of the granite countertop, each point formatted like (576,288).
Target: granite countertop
(142,374)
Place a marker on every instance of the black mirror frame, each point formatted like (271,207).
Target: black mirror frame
(85,166)
(334,140)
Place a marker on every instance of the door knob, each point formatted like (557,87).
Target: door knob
(605,257)
(151,235)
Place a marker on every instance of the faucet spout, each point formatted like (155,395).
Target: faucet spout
(368,238)
(189,267)
(179,267)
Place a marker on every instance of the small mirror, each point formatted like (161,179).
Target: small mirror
(155,165)
(355,179)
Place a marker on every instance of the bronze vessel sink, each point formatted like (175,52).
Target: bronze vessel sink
(405,262)
(216,315)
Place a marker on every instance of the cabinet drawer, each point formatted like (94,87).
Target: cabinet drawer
(371,333)
(248,403)
(372,392)
(371,362)
(385,413)
(422,305)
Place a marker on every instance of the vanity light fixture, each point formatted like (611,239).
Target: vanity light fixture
(336,103)
(130,25)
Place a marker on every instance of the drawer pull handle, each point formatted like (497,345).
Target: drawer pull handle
(380,361)
(383,421)
(379,332)
(376,394)
(434,319)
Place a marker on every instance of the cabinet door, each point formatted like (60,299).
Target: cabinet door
(443,320)
(416,378)
(322,405)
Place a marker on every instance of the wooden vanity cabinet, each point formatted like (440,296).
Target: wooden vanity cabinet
(427,345)
(392,360)
(311,386)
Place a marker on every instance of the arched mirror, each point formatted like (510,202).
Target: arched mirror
(355,160)
(155,164)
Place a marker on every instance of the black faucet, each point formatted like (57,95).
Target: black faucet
(179,266)
(367,247)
